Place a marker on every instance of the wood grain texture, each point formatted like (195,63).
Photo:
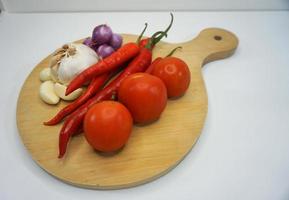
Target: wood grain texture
(151,151)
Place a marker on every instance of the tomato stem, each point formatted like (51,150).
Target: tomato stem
(173,51)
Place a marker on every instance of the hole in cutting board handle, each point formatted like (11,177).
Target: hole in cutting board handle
(218,38)
(218,44)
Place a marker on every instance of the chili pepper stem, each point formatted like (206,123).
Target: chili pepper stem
(155,40)
(142,33)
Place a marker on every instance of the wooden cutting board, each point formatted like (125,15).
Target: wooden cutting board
(152,150)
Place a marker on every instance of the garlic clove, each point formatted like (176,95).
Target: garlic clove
(45,74)
(60,89)
(47,93)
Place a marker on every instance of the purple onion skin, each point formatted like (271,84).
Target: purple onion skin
(104,50)
(101,34)
(88,42)
(115,41)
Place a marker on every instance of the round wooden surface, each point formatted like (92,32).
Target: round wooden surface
(151,151)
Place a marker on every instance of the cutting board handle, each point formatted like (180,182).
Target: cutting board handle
(215,44)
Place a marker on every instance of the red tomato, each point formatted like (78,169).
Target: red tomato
(107,126)
(144,95)
(175,74)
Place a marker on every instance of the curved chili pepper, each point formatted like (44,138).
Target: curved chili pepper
(122,55)
(92,88)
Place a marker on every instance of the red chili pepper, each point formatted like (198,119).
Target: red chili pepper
(92,88)
(158,59)
(122,55)
(144,42)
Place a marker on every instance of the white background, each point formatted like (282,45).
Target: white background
(141,5)
(243,151)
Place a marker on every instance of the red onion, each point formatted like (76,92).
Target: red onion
(115,41)
(101,34)
(104,50)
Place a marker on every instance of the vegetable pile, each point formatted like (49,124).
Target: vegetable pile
(137,93)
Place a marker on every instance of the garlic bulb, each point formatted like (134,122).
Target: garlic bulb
(70,60)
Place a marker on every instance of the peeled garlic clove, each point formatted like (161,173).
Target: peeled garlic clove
(45,74)
(60,89)
(47,93)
